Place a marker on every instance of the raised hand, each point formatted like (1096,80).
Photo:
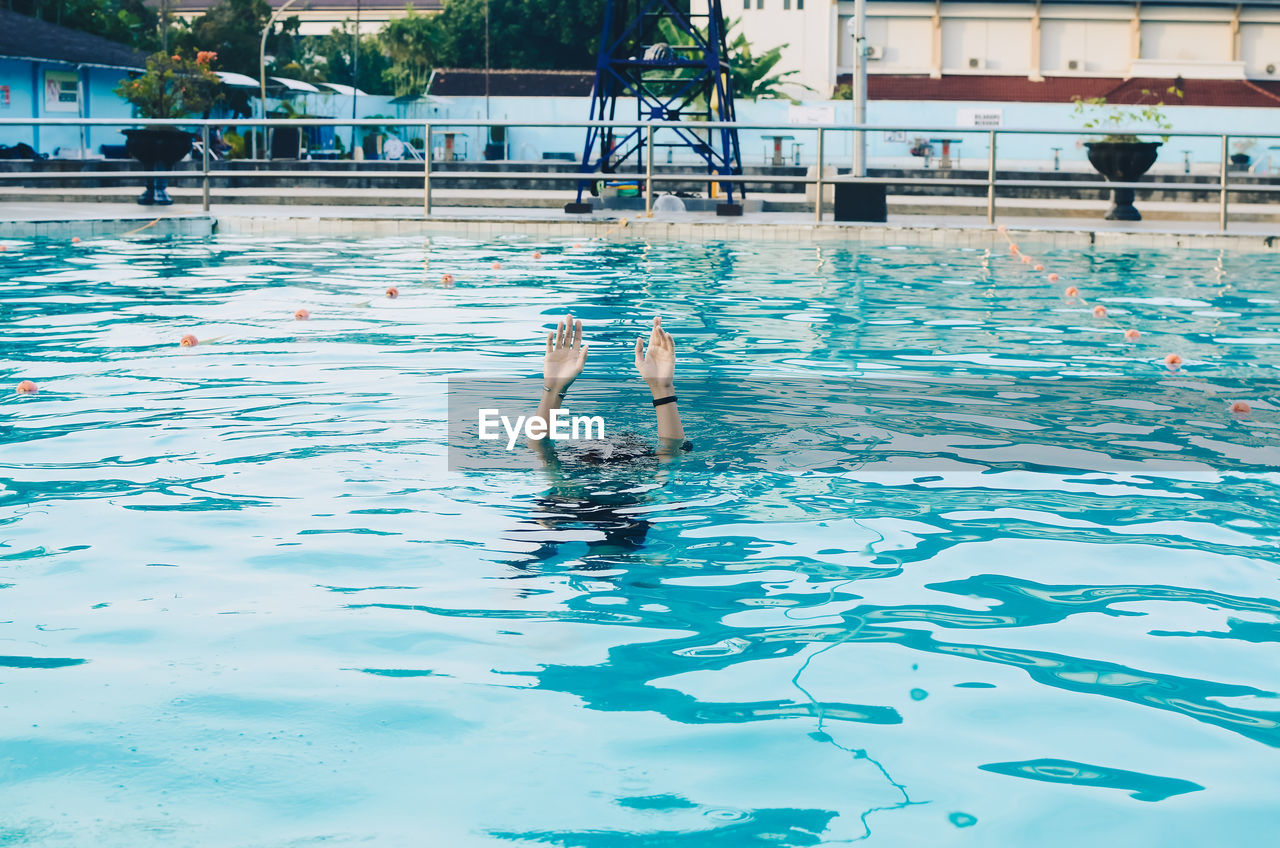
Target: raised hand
(657,364)
(566,355)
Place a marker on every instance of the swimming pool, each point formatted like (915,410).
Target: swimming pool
(245,601)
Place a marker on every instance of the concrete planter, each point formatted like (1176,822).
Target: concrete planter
(1122,162)
(158,149)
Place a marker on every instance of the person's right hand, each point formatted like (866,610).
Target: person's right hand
(657,365)
(566,355)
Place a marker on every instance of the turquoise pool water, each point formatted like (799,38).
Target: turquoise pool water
(244,601)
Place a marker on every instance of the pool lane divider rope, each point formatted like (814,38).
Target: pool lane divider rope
(138,230)
(1172,361)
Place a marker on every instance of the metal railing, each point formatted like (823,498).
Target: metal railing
(648,177)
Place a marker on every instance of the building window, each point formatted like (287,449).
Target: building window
(786,4)
(61,91)
(799,4)
(759,4)
(746,4)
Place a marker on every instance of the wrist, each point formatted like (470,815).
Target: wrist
(558,387)
(661,388)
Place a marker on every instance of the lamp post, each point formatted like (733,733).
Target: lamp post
(164,25)
(857,199)
(355,78)
(486,62)
(858,30)
(262,76)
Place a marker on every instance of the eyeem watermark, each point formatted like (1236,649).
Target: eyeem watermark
(914,422)
(561,425)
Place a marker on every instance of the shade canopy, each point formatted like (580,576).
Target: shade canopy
(234,80)
(339,88)
(405,99)
(295,85)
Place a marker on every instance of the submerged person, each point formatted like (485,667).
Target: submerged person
(595,487)
(567,355)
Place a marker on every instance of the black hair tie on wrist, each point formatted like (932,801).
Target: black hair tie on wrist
(667,399)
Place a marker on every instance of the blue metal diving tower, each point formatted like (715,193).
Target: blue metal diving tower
(654,52)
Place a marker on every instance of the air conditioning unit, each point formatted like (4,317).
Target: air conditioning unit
(875,51)
(1075,64)
(976,63)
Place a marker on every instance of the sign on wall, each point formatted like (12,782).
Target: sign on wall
(987,118)
(4,95)
(811,114)
(61,91)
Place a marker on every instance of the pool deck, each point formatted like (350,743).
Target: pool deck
(1166,227)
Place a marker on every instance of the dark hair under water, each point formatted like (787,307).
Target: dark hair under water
(615,450)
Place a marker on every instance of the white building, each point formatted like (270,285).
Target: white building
(1032,41)
(319,17)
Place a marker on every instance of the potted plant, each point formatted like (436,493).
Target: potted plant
(1240,159)
(1123,157)
(171,87)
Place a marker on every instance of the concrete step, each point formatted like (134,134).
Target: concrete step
(514,199)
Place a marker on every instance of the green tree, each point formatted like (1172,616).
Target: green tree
(330,57)
(545,34)
(289,54)
(415,44)
(233,28)
(130,22)
(752,76)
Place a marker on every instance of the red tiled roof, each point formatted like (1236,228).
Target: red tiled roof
(201,6)
(463,82)
(1196,92)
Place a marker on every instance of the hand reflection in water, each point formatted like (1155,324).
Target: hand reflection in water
(598,487)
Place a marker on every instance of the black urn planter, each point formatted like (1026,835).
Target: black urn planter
(1122,162)
(158,149)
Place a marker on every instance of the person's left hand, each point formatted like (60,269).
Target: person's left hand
(657,364)
(566,355)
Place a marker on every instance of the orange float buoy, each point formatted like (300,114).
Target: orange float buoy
(446,279)
(75,239)
(1099,311)
(1039,267)
(1013,248)
(1173,360)
(1132,335)
(576,246)
(497,266)
(26,387)
(3,248)
(1026,260)
(188,341)
(1071,291)
(537,254)
(1053,278)
(1241,408)
(301,315)
(393,292)
(1002,229)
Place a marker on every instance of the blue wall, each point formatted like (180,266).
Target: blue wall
(25,79)
(531,143)
(26,100)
